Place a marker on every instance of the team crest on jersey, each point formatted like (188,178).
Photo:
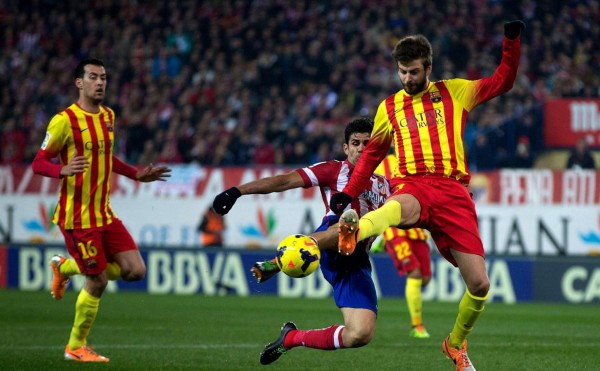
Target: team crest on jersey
(381,187)
(435,96)
(46,140)
(110,128)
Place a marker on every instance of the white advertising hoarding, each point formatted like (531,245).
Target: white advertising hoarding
(263,221)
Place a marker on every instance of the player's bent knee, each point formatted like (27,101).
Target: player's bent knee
(135,274)
(425,281)
(479,287)
(358,339)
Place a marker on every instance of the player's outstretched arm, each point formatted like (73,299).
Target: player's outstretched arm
(224,201)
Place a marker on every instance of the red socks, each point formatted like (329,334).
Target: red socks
(329,338)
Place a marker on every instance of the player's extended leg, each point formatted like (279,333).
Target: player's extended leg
(86,310)
(472,269)
(359,325)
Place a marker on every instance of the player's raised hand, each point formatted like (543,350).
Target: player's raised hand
(225,200)
(77,165)
(339,201)
(513,29)
(151,173)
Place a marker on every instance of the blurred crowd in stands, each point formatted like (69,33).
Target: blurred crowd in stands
(237,82)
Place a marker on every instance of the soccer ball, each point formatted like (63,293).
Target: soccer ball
(298,255)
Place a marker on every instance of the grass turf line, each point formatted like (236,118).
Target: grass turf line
(139,331)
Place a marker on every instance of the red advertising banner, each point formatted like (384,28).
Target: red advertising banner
(567,120)
(504,187)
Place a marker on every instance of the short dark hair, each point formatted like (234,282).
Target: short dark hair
(358,125)
(80,69)
(413,47)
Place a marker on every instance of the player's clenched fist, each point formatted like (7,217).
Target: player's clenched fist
(339,201)
(513,29)
(225,201)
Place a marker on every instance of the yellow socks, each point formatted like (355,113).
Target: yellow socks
(469,309)
(86,309)
(375,222)
(69,268)
(413,300)
(113,271)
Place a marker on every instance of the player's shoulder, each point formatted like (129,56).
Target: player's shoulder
(452,82)
(328,164)
(391,97)
(107,109)
(61,118)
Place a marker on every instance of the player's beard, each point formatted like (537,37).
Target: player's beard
(97,98)
(416,87)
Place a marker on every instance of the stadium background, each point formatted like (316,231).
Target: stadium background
(258,87)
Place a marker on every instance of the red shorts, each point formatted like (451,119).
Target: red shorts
(447,211)
(92,248)
(409,255)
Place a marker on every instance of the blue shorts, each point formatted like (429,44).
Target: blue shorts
(350,276)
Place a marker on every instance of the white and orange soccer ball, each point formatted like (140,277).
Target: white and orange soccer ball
(298,255)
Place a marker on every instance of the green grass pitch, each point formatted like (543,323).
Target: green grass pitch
(139,331)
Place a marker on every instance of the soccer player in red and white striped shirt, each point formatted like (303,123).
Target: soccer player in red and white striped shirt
(350,276)
(425,121)
(82,138)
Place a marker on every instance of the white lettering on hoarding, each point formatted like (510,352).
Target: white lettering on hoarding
(313,286)
(184,272)
(447,285)
(580,277)
(579,187)
(584,117)
(526,187)
(501,286)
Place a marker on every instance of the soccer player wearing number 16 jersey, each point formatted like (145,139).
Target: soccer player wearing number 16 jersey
(82,138)
(426,121)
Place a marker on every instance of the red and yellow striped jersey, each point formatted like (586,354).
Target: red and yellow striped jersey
(427,128)
(415,234)
(84,198)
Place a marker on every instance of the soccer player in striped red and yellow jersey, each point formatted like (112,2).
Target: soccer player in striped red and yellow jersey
(409,251)
(82,138)
(425,121)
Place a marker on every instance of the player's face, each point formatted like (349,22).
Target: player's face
(93,84)
(414,76)
(356,145)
